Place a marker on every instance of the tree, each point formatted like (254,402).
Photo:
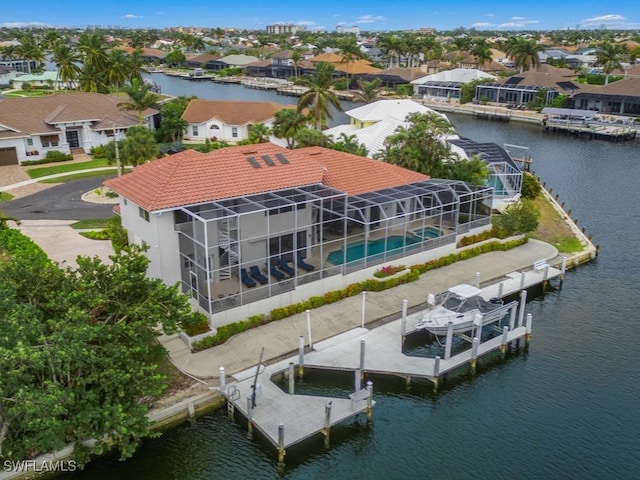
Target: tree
(139,146)
(521,217)
(30,51)
(481,52)
(420,146)
(531,187)
(610,57)
(93,51)
(84,365)
(140,99)
(297,56)
(310,137)
(319,97)
(66,59)
(473,171)
(393,47)
(118,68)
(349,144)
(523,52)
(259,133)
(350,51)
(175,57)
(369,91)
(172,125)
(287,123)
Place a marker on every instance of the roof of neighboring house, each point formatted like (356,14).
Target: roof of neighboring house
(397,108)
(37,77)
(33,115)
(238,60)
(457,75)
(203,58)
(190,177)
(629,87)
(407,74)
(146,52)
(282,54)
(326,57)
(231,112)
(261,63)
(357,67)
(547,76)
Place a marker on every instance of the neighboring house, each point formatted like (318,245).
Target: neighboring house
(204,60)
(367,115)
(44,79)
(32,126)
(228,120)
(621,97)
(213,221)
(7,74)
(151,55)
(447,84)
(231,61)
(523,87)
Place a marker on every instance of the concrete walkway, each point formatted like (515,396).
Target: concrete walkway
(281,338)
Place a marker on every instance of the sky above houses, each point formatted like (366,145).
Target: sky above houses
(328,14)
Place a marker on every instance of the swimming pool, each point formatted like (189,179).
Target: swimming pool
(356,250)
(427,232)
(498,186)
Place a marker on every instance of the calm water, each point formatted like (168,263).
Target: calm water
(568,408)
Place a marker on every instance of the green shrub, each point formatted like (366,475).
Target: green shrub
(98,151)
(531,187)
(96,234)
(117,234)
(57,156)
(195,324)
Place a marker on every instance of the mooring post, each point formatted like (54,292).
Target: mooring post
(362,345)
(500,289)
(292,380)
(523,303)
(358,380)
(545,277)
(477,321)
(403,323)
(505,339)
(474,354)
(563,268)
(309,328)
(301,356)
(222,378)
(364,301)
(281,451)
(477,279)
(528,328)
(436,372)
(249,418)
(327,424)
(191,410)
(512,317)
(369,399)
(449,341)
(522,280)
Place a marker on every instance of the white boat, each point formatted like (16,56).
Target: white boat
(460,305)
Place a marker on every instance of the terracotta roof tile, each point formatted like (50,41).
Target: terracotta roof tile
(231,112)
(189,177)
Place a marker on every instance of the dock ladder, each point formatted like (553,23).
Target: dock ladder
(233,395)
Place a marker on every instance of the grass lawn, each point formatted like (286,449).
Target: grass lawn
(5,197)
(553,229)
(79,176)
(94,223)
(28,93)
(38,172)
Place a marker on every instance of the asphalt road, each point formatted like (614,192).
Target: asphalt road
(62,202)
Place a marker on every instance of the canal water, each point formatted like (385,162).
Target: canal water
(567,408)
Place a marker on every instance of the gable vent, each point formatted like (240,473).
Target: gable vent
(254,163)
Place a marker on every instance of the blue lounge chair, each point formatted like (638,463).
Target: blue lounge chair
(275,273)
(246,279)
(284,266)
(305,266)
(257,275)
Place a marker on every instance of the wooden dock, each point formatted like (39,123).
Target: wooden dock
(286,419)
(591,130)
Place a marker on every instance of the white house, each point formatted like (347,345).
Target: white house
(447,84)
(44,79)
(250,228)
(67,122)
(227,120)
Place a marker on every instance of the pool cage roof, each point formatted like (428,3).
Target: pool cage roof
(441,193)
(489,152)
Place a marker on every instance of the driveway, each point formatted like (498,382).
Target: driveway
(62,202)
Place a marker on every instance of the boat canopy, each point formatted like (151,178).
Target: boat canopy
(464,290)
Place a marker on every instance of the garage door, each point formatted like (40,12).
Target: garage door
(8,156)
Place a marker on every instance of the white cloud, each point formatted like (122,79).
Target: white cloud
(22,24)
(130,15)
(518,22)
(612,18)
(516,19)
(482,24)
(307,23)
(489,15)
(370,19)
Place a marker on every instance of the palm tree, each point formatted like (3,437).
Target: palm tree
(481,51)
(136,61)
(90,80)
(524,53)
(67,60)
(610,56)
(393,47)
(118,68)
(259,133)
(319,97)
(140,99)
(30,51)
(297,56)
(287,124)
(350,52)
(369,91)
(94,51)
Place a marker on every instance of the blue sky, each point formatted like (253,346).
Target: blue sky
(327,14)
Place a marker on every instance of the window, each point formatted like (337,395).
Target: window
(30,141)
(234,132)
(49,140)
(143,213)
(194,130)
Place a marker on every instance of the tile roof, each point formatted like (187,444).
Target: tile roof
(190,177)
(231,112)
(33,115)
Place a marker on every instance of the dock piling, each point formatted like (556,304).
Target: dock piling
(362,345)
(358,380)
(300,356)
(563,268)
(477,279)
(369,399)
(522,280)
(309,328)
(503,342)
(403,323)
(474,354)
(222,378)
(523,302)
(281,450)
(528,328)
(327,424)
(477,321)
(512,318)
(500,289)
(449,341)
(292,380)
(364,301)
(436,373)
(249,418)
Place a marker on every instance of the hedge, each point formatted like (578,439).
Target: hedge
(371,285)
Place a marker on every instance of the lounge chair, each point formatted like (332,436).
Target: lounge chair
(246,279)
(275,273)
(305,266)
(257,275)
(284,266)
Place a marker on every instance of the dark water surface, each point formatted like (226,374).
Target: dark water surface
(568,408)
